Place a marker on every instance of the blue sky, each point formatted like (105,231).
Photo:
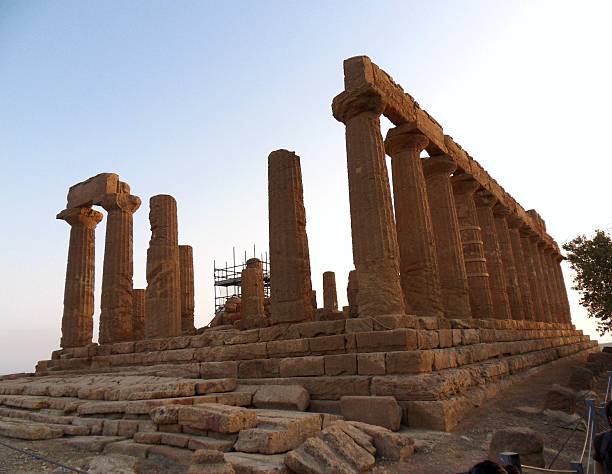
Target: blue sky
(189,98)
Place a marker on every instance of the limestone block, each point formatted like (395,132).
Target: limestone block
(371,364)
(93,190)
(397,339)
(524,441)
(259,368)
(302,366)
(561,398)
(326,344)
(380,411)
(389,445)
(219,369)
(165,414)
(289,347)
(341,364)
(28,430)
(409,362)
(331,451)
(249,463)
(218,418)
(282,397)
(215,386)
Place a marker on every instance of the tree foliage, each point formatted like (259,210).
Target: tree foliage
(591,260)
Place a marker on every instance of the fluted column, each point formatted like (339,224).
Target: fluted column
(187,289)
(464,187)
(514,223)
(530,265)
(567,316)
(290,283)
(375,249)
(138,313)
(536,256)
(77,320)
(330,297)
(415,236)
(549,282)
(351,294)
(513,290)
(116,307)
(449,252)
(163,296)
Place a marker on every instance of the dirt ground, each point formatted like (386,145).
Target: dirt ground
(437,452)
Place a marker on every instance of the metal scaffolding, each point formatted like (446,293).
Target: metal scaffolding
(228,278)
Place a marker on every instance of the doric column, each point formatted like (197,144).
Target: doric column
(481,303)
(330,297)
(513,290)
(530,266)
(351,294)
(536,256)
(553,285)
(163,297)
(567,316)
(138,313)
(449,252)
(77,320)
(415,236)
(252,289)
(514,223)
(290,284)
(187,289)
(116,308)
(375,249)
(548,281)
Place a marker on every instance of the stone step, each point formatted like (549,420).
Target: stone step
(93,444)
(246,463)
(185,440)
(69,430)
(278,431)
(21,429)
(36,416)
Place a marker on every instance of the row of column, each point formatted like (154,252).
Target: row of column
(452,249)
(165,308)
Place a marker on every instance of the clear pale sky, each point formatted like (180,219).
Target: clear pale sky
(189,98)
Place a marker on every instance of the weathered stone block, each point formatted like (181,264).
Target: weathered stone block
(523,441)
(327,344)
(288,348)
(359,325)
(282,397)
(381,411)
(223,369)
(259,368)
(409,362)
(397,339)
(91,191)
(371,364)
(218,418)
(341,364)
(302,366)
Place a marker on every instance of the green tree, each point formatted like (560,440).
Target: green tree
(591,260)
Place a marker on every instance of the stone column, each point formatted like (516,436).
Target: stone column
(497,281)
(252,289)
(546,288)
(187,289)
(553,284)
(330,297)
(290,284)
(116,308)
(77,320)
(534,287)
(415,236)
(375,249)
(163,301)
(449,252)
(138,313)
(536,256)
(567,316)
(351,294)
(481,303)
(513,289)
(514,223)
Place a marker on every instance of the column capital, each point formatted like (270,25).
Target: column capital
(514,221)
(349,104)
(85,216)
(464,183)
(484,198)
(438,165)
(405,137)
(499,210)
(124,202)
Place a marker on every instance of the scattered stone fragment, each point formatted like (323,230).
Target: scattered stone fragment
(282,397)
(218,418)
(524,441)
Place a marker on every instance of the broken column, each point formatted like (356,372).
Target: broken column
(464,187)
(330,297)
(116,306)
(534,286)
(138,313)
(77,320)
(497,282)
(187,289)
(290,284)
(514,223)
(163,297)
(252,293)
(375,249)
(415,236)
(451,265)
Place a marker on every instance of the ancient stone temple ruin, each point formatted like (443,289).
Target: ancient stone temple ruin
(456,292)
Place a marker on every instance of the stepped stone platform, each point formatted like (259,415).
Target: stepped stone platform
(435,368)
